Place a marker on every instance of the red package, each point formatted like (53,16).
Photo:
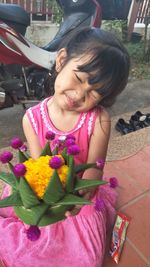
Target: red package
(118,236)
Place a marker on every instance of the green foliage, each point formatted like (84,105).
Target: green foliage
(56,11)
(115,26)
(139,52)
(136,51)
(140,67)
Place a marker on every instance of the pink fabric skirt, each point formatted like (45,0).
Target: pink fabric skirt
(78,241)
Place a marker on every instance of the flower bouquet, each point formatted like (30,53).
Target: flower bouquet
(45,188)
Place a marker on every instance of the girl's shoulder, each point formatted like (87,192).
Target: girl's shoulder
(101,118)
(36,110)
(94,118)
(35,114)
(39,105)
(99,112)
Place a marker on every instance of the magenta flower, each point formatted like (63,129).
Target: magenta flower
(19,169)
(6,156)
(100,163)
(113,182)
(99,205)
(55,162)
(73,150)
(16,143)
(69,142)
(33,233)
(23,148)
(70,136)
(49,135)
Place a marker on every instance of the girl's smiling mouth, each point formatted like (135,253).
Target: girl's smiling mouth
(70,102)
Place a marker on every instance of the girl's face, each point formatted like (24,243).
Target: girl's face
(72,90)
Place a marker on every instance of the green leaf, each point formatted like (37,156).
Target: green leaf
(22,157)
(54,214)
(83,167)
(54,191)
(9,178)
(51,215)
(39,212)
(55,151)
(86,183)
(65,155)
(46,150)
(10,166)
(28,196)
(71,199)
(70,176)
(26,215)
(12,200)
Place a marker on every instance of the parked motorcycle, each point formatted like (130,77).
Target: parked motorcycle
(22,73)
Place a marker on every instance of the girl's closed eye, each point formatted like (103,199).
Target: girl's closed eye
(92,93)
(78,78)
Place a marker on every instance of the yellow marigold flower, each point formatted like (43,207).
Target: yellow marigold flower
(39,173)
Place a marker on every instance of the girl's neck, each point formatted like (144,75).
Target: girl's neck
(63,120)
(56,109)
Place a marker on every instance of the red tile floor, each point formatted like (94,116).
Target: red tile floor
(133,174)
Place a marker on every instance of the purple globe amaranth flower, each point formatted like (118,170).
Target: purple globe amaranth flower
(70,136)
(6,156)
(33,233)
(113,182)
(99,205)
(16,143)
(49,135)
(100,163)
(55,162)
(23,148)
(69,142)
(19,169)
(73,150)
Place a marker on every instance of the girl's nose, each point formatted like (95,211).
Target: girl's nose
(80,94)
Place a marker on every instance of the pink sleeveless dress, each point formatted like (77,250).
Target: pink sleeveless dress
(78,241)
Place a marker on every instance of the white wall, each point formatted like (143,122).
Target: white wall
(140,28)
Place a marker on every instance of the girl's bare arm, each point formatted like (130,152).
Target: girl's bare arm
(98,144)
(31,137)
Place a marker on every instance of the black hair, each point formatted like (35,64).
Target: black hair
(108,64)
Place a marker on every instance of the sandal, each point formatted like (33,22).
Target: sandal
(140,119)
(123,127)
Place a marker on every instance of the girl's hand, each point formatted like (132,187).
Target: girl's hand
(87,194)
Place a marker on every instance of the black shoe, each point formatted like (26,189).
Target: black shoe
(144,119)
(123,127)
(136,123)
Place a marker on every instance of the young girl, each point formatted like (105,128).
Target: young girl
(91,69)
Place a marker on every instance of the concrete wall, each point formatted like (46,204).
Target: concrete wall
(41,33)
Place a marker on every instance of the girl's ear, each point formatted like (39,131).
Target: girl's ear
(60,59)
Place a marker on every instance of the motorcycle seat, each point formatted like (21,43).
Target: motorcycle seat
(70,23)
(14,14)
